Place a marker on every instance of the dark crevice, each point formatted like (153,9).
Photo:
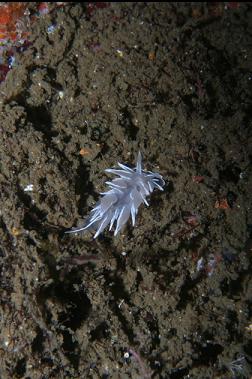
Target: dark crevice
(83,187)
(75,303)
(162,97)
(178,373)
(20,368)
(117,289)
(100,332)
(154,329)
(230,173)
(186,295)
(129,127)
(33,217)
(208,354)
(37,343)
(72,307)
(41,120)
(71,349)
(78,306)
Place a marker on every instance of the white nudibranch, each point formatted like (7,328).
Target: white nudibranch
(126,193)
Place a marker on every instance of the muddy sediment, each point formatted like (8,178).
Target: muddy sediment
(170,298)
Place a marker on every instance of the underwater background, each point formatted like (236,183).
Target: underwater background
(87,85)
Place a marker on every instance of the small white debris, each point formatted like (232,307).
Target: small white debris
(242,175)
(126,355)
(28,188)
(51,29)
(120,304)
(61,94)
(120,53)
(200,264)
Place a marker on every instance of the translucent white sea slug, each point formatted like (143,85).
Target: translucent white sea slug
(126,193)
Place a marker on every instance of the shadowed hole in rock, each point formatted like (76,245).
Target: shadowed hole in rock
(248,347)
(41,120)
(83,187)
(233,324)
(20,368)
(118,291)
(178,373)
(71,297)
(77,308)
(208,353)
(230,174)
(100,332)
(128,125)
(71,349)
(76,303)
(186,292)
(154,329)
(33,217)
(231,198)
(37,343)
